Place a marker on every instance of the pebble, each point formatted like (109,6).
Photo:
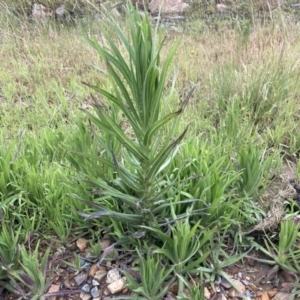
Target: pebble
(223,297)
(272,293)
(85,296)
(100,275)
(248,294)
(86,288)
(233,293)
(82,244)
(117,286)
(245,282)
(95,282)
(86,266)
(81,262)
(282,296)
(224,283)
(105,243)
(93,269)
(265,296)
(80,278)
(207,293)
(113,275)
(94,292)
(53,289)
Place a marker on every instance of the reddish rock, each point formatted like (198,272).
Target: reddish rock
(93,269)
(53,289)
(82,244)
(272,293)
(265,296)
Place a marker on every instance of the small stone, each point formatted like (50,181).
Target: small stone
(234,271)
(53,289)
(95,282)
(82,244)
(114,12)
(80,278)
(93,269)
(233,293)
(86,288)
(174,288)
(113,275)
(103,268)
(106,292)
(100,275)
(248,294)
(272,293)
(239,275)
(117,286)
(245,282)
(108,264)
(265,296)
(225,284)
(86,266)
(82,262)
(137,277)
(170,296)
(105,243)
(95,292)
(282,296)
(67,282)
(85,296)
(223,297)
(207,293)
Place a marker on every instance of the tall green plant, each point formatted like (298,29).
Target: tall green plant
(137,79)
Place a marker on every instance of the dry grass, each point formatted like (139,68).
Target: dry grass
(43,66)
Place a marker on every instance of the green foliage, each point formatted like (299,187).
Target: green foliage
(238,134)
(286,254)
(153,284)
(33,274)
(75,264)
(255,167)
(95,249)
(134,196)
(183,248)
(183,245)
(218,259)
(195,291)
(9,254)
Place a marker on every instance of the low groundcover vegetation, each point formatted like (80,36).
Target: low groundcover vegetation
(180,148)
